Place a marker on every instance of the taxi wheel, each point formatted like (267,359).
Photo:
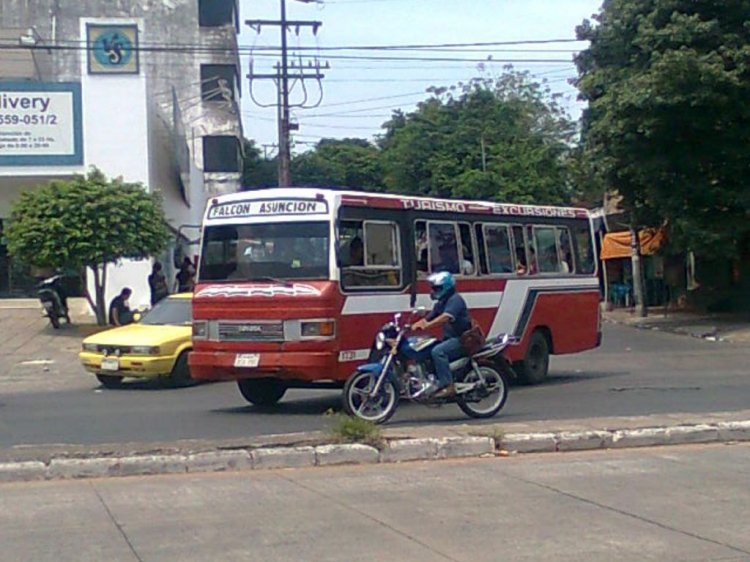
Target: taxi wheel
(110,381)
(262,392)
(180,375)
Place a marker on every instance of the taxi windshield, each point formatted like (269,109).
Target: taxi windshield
(263,252)
(175,312)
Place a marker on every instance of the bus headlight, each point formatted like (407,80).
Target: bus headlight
(200,330)
(318,328)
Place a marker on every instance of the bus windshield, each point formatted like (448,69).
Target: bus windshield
(263,252)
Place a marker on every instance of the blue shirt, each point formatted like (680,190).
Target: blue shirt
(454,306)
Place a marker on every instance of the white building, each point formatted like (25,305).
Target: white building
(143,89)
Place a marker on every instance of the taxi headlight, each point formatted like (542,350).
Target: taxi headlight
(145,350)
(90,347)
(318,328)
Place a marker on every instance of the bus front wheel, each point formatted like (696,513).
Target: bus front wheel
(535,366)
(262,392)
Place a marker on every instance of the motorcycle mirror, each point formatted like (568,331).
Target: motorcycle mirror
(397,317)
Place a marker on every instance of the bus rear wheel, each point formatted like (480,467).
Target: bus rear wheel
(535,366)
(262,392)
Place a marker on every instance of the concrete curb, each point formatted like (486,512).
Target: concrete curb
(395,450)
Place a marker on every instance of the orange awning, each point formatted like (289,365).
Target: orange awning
(617,244)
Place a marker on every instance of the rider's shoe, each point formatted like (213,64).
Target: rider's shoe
(446,392)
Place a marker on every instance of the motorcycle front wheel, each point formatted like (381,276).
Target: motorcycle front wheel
(487,399)
(359,402)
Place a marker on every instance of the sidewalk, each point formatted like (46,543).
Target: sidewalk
(33,355)
(733,328)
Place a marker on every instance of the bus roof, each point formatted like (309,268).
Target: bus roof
(394,201)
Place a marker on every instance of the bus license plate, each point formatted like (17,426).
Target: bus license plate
(247,360)
(110,364)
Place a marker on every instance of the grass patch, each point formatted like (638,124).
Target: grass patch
(347,429)
(493,431)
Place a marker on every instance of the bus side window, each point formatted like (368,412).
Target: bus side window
(519,245)
(422,248)
(567,264)
(546,244)
(497,241)
(468,259)
(584,249)
(483,262)
(351,244)
(443,244)
(370,254)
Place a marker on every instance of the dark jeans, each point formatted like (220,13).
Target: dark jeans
(442,355)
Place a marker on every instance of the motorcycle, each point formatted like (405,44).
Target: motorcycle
(51,296)
(404,372)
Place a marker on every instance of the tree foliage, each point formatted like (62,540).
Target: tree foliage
(501,138)
(668,124)
(257,171)
(86,222)
(348,162)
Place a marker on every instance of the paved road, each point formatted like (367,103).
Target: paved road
(635,372)
(677,504)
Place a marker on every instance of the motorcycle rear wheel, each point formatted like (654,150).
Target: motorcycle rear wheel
(496,390)
(377,409)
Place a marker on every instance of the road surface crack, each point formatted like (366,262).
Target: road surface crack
(380,522)
(116,524)
(635,516)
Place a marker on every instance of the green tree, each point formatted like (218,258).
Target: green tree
(668,124)
(87,222)
(257,171)
(500,138)
(353,163)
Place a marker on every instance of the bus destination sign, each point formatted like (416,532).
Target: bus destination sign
(265,208)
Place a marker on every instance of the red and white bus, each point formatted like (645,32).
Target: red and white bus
(293,284)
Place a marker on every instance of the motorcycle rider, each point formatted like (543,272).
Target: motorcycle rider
(450,312)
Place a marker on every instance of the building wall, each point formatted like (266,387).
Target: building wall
(131,125)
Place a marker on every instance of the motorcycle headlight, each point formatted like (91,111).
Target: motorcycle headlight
(145,350)
(380,341)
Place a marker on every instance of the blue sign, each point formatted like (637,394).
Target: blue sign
(113,49)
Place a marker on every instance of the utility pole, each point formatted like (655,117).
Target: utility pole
(282,78)
(638,290)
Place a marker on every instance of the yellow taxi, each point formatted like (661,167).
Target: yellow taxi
(156,346)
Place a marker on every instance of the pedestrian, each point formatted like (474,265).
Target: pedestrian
(185,281)
(157,282)
(119,309)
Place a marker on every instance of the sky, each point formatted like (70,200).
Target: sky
(358,96)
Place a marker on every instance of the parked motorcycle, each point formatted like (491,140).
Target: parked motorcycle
(52,296)
(405,371)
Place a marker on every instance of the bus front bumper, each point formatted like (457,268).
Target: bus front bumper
(298,365)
